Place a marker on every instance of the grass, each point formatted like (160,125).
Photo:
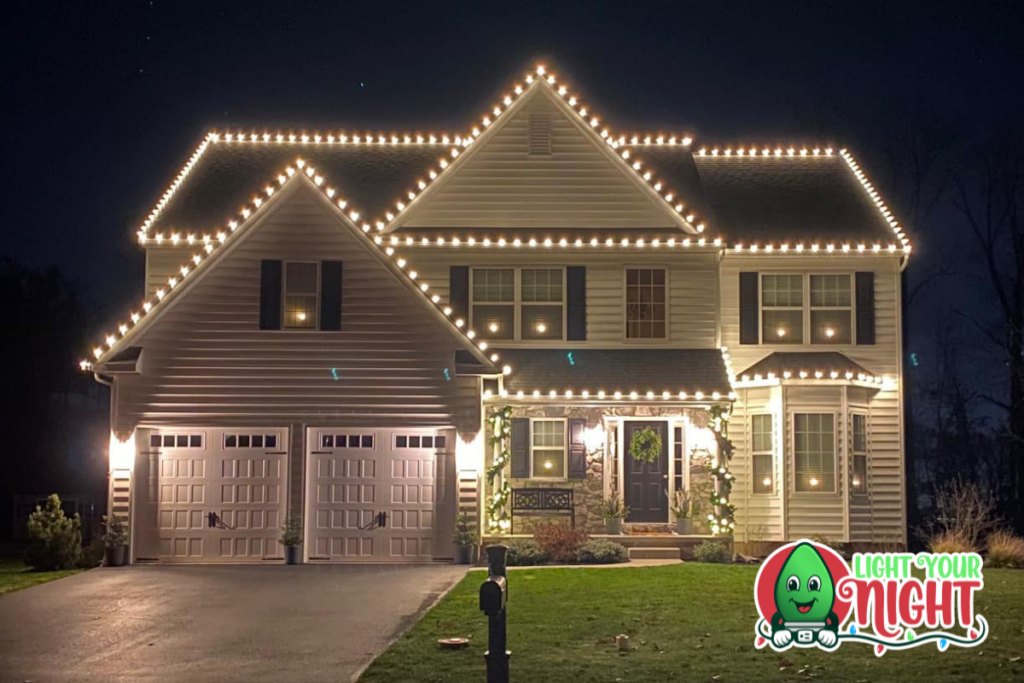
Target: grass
(689,622)
(14,576)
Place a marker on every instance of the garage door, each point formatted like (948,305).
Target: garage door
(374,495)
(220,494)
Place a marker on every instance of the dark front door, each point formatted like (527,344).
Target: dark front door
(647,482)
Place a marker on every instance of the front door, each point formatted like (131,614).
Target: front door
(647,482)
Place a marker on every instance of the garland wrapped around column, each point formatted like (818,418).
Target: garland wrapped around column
(723,519)
(500,422)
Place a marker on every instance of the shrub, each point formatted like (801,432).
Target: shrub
(601,551)
(524,552)
(116,534)
(291,532)
(837,546)
(963,515)
(92,554)
(559,541)
(56,540)
(710,551)
(1005,549)
(951,542)
(465,532)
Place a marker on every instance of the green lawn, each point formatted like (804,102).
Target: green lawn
(688,622)
(14,576)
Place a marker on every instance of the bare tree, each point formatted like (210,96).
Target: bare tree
(989,195)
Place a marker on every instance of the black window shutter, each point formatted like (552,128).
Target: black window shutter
(458,291)
(520,448)
(577,451)
(270,295)
(330,295)
(865,308)
(576,295)
(749,332)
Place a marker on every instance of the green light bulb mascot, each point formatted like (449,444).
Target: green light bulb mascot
(804,596)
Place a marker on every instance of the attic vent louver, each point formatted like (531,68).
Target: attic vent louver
(540,135)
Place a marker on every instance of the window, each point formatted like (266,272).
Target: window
(176,440)
(831,309)
(814,451)
(646,310)
(526,303)
(547,449)
(782,309)
(250,441)
(762,452)
(543,298)
(679,460)
(859,480)
(301,284)
(417,441)
(346,440)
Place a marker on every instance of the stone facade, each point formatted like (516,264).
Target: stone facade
(588,493)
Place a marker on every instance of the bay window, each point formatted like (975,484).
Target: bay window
(859,453)
(814,452)
(762,452)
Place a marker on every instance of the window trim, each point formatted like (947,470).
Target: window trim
(806,308)
(517,304)
(625,303)
(835,492)
(565,447)
(770,452)
(284,295)
(866,453)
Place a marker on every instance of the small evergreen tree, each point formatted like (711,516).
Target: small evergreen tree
(56,540)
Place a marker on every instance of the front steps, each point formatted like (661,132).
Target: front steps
(654,553)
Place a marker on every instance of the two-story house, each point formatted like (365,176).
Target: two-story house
(331,319)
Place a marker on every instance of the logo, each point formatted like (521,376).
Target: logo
(808,596)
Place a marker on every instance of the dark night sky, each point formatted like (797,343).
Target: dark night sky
(105,100)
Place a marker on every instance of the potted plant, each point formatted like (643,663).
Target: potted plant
(115,540)
(681,510)
(291,539)
(465,540)
(614,511)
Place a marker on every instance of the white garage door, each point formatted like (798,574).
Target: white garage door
(373,495)
(221,494)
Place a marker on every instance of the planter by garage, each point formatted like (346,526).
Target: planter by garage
(465,554)
(291,554)
(115,556)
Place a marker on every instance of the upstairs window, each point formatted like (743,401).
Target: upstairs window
(526,304)
(831,309)
(646,303)
(301,289)
(782,309)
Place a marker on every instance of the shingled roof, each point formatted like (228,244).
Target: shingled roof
(611,370)
(810,362)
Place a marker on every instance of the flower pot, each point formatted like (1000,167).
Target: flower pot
(115,556)
(464,554)
(291,554)
(613,526)
(684,526)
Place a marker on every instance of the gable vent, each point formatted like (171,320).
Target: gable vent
(540,135)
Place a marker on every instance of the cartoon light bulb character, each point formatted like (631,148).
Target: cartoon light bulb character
(804,596)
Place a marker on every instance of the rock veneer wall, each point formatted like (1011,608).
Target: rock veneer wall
(588,493)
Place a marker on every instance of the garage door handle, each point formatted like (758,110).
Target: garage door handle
(321,452)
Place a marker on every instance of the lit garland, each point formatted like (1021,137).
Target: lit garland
(723,519)
(500,422)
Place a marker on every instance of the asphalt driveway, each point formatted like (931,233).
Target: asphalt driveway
(213,623)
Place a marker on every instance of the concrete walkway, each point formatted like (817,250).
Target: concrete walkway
(203,624)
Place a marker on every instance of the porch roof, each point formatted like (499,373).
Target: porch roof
(685,374)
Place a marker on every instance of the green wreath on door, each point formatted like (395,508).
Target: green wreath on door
(645,445)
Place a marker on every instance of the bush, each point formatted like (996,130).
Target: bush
(92,554)
(837,546)
(56,540)
(524,552)
(601,551)
(116,534)
(1005,549)
(559,541)
(710,551)
(963,515)
(951,542)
